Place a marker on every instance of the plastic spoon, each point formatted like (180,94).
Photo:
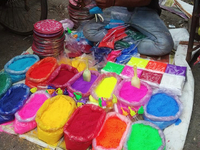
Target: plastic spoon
(135,81)
(87,74)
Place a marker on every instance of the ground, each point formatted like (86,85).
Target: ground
(12,45)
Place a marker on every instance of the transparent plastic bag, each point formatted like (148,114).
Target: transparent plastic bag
(12,101)
(88,129)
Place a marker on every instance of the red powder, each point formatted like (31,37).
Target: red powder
(151,76)
(112,132)
(84,122)
(42,70)
(62,77)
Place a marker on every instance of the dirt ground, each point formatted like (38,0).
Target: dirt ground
(12,45)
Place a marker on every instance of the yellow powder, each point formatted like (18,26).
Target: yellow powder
(106,87)
(56,112)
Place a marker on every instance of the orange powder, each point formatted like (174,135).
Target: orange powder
(112,132)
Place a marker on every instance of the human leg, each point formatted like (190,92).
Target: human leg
(159,41)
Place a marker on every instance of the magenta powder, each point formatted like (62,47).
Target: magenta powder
(84,122)
(131,93)
(83,86)
(31,108)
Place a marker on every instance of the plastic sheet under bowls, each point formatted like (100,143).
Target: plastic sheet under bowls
(48,38)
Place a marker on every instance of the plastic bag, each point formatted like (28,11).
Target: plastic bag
(144,139)
(5,83)
(61,75)
(25,117)
(67,23)
(38,74)
(113,55)
(113,132)
(77,84)
(80,130)
(105,91)
(19,65)
(12,101)
(170,109)
(138,97)
(52,116)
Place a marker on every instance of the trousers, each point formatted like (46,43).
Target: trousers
(147,21)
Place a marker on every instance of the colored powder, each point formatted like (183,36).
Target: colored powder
(63,77)
(139,62)
(131,93)
(113,67)
(42,70)
(173,82)
(112,132)
(162,105)
(129,72)
(144,137)
(12,99)
(3,79)
(29,110)
(83,86)
(106,87)
(57,110)
(21,64)
(84,122)
(156,66)
(151,76)
(176,70)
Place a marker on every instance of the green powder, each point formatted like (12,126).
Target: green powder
(144,137)
(3,79)
(113,67)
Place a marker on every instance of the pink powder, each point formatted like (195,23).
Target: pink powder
(151,76)
(31,108)
(128,71)
(131,93)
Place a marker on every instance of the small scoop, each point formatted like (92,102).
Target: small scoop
(135,81)
(87,74)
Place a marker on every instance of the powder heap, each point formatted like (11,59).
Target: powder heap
(162,105)
(84,122)
(139,62)
(156,66)
(151,76)
(3,79)
(42,70)
(106,87)
(30,109)
(83,86)
(131,93)
(128,72)
(57,111)
(144,137)
(112,132)
(21,64)
(113,67)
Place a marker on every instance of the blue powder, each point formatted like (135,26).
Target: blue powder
(162,105)
(22,64)
(12,100)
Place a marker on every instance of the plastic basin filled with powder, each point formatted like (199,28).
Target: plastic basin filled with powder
(77,83)
(5,83)
(25,117)
(104,86)
(163,109)
(83,126)
(61,76)
(52,116)
(13,100)
(129,95)
(38,74)
(144,135)
(113,132)
(19,65)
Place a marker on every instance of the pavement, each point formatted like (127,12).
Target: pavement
(12,45)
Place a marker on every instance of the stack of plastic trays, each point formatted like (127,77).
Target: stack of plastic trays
(78,13)
(48,38)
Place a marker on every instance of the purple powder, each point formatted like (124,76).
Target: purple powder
(83,86)
(162,105)
(177,70)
